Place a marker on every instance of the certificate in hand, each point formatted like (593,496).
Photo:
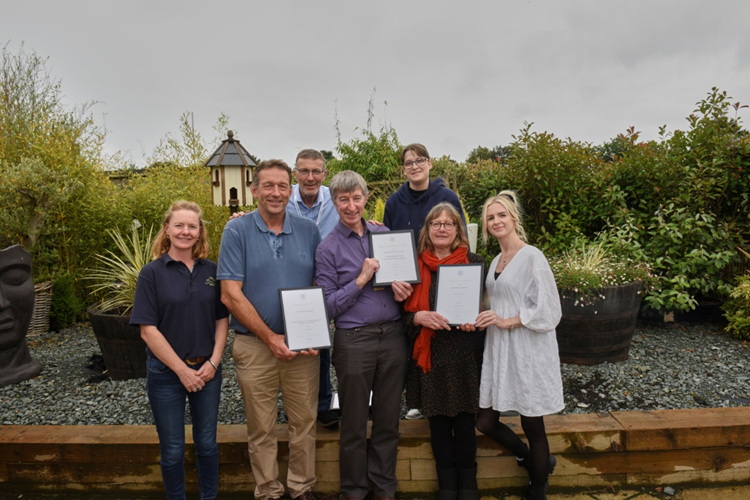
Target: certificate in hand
(397,254)
(305,318)
(459,292)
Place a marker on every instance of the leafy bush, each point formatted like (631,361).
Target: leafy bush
(737,309)
(65,308)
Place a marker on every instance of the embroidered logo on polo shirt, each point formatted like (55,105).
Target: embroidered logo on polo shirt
(211,281)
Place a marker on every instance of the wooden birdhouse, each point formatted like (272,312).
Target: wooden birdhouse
(232,169)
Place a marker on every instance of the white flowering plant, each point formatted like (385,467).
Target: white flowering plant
(584,272)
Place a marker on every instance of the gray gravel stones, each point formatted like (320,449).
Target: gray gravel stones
(670,366)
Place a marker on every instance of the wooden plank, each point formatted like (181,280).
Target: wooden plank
(110,453)
(22,452)
(682,429)
(84,473)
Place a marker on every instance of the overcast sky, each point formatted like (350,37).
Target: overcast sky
(454,74)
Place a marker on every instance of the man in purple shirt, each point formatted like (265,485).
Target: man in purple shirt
(370,350)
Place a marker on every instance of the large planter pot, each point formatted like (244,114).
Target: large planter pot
(601,332)
(708,310)
(123,349)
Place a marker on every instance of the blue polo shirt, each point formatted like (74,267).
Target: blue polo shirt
(265,262)
(322,213)
(182,305)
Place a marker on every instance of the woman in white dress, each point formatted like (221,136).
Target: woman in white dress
(521,367)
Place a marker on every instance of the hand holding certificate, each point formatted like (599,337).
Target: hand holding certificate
(305,318)
(396,252)
(459,292)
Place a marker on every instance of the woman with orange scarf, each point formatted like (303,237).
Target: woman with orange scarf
(446,367)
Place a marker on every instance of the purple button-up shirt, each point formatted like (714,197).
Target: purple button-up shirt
(338,262)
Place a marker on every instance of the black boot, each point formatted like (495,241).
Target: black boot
(526,464)
(447,484)
(536,492)
(467,484)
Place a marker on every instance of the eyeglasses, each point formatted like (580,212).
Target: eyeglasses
(408,165)
(305,172)
(447,225)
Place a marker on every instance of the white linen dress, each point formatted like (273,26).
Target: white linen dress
(521,369)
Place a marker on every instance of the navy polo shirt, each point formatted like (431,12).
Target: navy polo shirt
(182,305)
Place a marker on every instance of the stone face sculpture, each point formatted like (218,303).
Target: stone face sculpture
(16,308)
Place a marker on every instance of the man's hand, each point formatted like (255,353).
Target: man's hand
(237,214)
(401,290)
(279,349)
(369,267)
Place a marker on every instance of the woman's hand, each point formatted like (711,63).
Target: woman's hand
(206,372)
(487,318)
(401,290)
(431,319)
(191,380)
(467,327)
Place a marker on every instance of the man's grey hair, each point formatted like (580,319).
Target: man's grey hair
(347,181)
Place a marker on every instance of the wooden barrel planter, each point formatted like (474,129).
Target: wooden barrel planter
(601,332)
(123,349)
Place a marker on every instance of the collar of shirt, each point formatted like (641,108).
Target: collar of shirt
(286,229)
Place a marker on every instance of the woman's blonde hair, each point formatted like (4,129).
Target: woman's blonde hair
(161,242)
(509,200)
(444,207)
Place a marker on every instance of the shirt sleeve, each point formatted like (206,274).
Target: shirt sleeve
(146,302)
(540,304)
(387,217)
(231,259)
(338,298)
(221,310)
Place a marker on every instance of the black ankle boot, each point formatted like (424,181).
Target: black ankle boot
(525,463)
(467,484)
(447,484)
(536,492)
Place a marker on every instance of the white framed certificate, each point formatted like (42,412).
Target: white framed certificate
(305,318)
(396,252)
(459,292)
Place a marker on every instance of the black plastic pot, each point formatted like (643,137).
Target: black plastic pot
(122,347)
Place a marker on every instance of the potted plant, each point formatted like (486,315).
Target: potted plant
(123,349)
(600,294)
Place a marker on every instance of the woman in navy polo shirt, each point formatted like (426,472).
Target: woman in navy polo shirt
(184,324)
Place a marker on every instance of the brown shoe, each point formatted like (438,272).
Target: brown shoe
(308,495)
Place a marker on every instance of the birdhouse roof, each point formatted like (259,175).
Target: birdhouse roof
(230,153)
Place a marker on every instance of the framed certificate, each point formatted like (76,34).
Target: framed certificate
(305,318)
(397,253)
(459,292)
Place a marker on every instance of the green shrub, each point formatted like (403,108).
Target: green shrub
(66,308)
(737,309)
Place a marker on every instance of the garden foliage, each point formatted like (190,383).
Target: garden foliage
(680,203)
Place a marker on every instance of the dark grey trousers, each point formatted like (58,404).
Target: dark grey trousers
(372,358)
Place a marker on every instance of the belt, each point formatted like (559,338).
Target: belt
(380,325)
(196,361)
(250,334)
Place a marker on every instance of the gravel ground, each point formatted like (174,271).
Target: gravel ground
(670,366)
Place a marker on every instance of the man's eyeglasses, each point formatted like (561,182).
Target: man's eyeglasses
(305,172)
(408,165)
(447,225)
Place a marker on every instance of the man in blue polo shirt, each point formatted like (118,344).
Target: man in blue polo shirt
(261,252)
(311,199)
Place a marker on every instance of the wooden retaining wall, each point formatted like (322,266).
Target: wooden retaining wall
(706,446)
